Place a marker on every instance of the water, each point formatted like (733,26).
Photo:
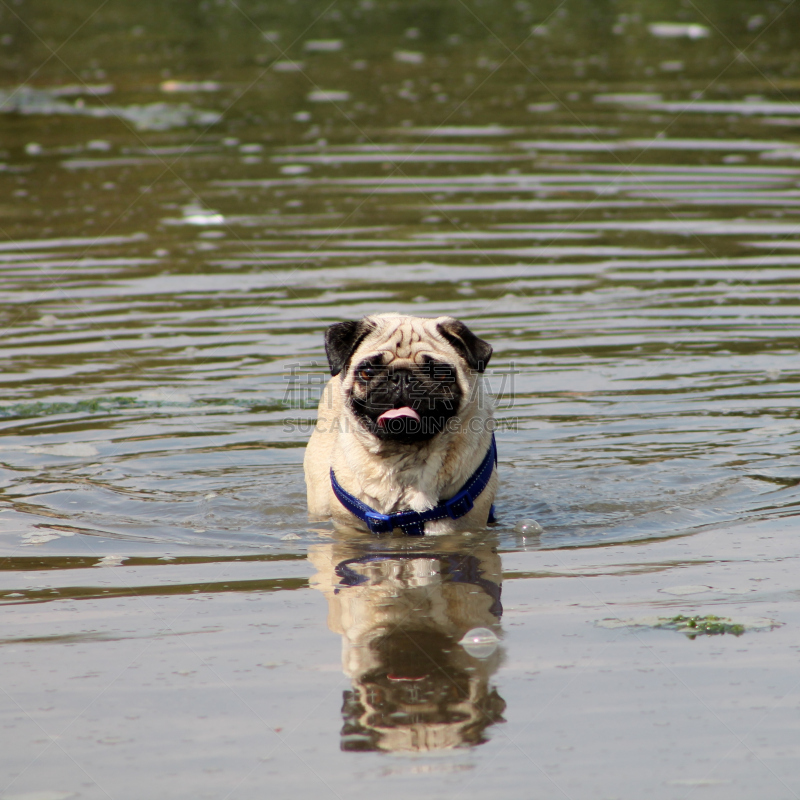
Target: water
(192,195)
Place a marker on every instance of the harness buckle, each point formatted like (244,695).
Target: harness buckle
(410,523)
(459,505)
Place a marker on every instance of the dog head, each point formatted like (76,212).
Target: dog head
(404,377)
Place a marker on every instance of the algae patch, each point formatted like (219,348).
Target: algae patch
(99,405)
(42,409)
(709,625)
(694,625)
(149,117)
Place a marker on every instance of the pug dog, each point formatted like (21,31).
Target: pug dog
(404,435)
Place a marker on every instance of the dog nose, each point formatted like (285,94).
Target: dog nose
(401,377)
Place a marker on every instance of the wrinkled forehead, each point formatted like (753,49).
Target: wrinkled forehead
(396,341)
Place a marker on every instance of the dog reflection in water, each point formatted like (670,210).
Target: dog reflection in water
(403,616)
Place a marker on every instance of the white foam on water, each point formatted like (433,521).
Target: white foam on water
(68,450)
(42,536)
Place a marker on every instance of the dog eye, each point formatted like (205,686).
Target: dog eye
(366,373)
(442,374)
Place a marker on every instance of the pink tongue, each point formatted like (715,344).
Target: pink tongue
(405,411)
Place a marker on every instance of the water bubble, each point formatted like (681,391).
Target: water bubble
(480,642)
(528,527)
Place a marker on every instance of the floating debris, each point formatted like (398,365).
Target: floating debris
(708,625)
(111,561)
(694,625)
(43,536)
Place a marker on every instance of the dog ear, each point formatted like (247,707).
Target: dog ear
(475,351)
(341,341)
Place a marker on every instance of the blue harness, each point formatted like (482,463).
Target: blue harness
(412,523)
